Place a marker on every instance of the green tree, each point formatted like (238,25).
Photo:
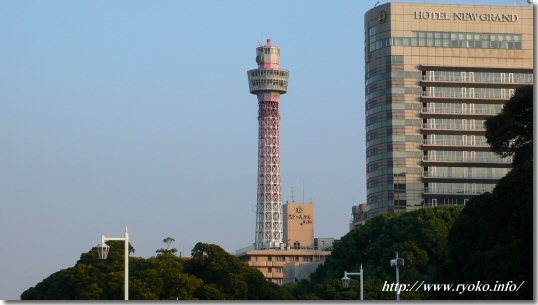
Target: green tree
(168,241)
(510,132)
(227,278)
(420,237)
(491,241)
(211,274)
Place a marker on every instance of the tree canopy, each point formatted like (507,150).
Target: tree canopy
(492,240)
(211,274)
(420,237)
(510,132)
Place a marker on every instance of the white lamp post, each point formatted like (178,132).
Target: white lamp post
(395,263)
(103,249)
(346,280)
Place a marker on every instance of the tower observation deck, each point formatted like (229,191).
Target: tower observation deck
(268,82)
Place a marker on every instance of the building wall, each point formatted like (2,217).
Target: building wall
(418,110)
(359,214)
(299,225)
(324,243)
(294,271)
(271,262)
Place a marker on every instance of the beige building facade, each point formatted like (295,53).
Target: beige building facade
(273,263)
(298,256)
(434,73)
(298,225)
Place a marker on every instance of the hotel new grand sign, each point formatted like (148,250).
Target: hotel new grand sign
(461,16)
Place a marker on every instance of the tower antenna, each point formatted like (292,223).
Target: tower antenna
(260,41)
(303,190)
(292,190)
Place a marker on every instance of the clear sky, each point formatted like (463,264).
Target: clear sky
(138,113)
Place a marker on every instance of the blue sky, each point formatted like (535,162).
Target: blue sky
(138,113)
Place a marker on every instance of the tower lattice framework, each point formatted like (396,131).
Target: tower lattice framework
(268,82)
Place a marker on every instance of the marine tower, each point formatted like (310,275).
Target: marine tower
(268,82)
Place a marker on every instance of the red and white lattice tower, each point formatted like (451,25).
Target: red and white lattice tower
(268,82)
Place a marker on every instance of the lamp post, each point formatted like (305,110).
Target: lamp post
(395,262)
(103,249)
(346,280)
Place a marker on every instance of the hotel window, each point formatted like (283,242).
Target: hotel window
(307,258)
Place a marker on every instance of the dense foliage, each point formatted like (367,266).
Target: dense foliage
(211,274)
(492,240)
(510,132)
(420,237)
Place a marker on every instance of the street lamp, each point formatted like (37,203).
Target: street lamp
(395,262)
(103,249)
(346,280)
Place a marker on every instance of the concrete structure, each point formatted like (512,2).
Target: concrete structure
(294,271)
(268,82)
(271,262)
(359,214)
(434,73)
(298,255)
(323,243)
(299,225)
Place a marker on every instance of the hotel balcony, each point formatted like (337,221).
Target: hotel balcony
(468,162)
(273,275)
(432,177)
(452,129)
(427,82)
(454,145)
(453,192)
(434,113)
(426,97)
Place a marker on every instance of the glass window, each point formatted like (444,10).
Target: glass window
(453,40)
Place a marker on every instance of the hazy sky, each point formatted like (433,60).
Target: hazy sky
(138,113)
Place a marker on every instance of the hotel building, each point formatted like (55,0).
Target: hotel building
(298,256)
(434,74)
